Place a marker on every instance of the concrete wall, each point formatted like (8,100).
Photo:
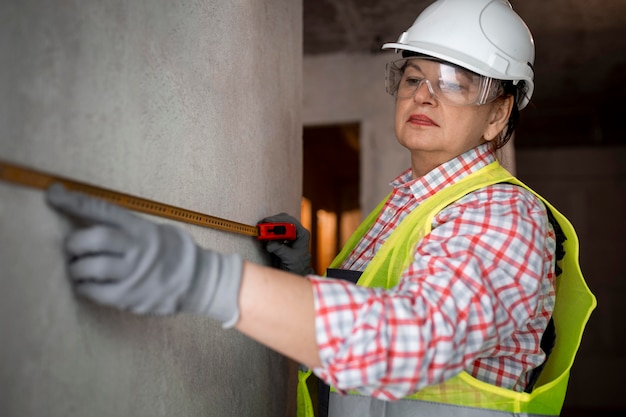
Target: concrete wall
(586,184)
(195,104)
(347,88)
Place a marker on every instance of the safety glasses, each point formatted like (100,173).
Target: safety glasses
(448,83)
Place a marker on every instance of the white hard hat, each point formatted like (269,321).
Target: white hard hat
(483,36)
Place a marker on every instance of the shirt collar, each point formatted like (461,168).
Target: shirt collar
(445,174)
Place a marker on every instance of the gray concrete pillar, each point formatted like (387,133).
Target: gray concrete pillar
(195,104)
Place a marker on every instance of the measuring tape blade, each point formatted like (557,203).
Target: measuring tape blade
(41,180)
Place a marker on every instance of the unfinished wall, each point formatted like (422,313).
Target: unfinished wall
(350,88)
(585,184)
(195,104)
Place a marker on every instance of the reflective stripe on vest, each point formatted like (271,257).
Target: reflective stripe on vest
(573,306)
(363,406)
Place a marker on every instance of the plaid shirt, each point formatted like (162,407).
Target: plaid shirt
(477,296)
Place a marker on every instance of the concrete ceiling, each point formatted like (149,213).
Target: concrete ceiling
(580,45)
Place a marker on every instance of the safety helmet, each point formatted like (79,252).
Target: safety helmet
(483,36)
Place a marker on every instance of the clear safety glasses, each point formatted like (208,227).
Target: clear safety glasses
(448,83)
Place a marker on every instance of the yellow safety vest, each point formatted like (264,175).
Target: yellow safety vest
(464,395)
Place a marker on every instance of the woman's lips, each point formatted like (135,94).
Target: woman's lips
(421,120)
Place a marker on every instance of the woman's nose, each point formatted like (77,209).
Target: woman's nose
(423,92)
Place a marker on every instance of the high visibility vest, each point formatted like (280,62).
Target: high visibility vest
(464,395)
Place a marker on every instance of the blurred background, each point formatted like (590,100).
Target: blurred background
(570,147)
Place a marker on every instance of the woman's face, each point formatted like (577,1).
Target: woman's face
(434,131)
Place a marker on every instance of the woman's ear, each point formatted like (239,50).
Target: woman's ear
(498,117)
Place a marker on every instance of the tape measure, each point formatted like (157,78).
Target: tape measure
(41,180)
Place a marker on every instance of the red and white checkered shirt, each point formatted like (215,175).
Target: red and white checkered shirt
(477,296)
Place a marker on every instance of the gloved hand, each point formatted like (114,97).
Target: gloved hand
(122,260)
(291,256)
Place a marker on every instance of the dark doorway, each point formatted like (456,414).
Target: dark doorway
(330,204)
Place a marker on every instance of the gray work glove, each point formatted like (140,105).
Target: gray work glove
(122,260)
(290,256)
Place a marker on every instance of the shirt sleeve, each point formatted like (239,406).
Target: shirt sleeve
(475,281)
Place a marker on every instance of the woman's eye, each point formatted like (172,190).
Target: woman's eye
(451,86)
(413,81)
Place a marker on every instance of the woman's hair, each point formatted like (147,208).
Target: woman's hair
(516,91)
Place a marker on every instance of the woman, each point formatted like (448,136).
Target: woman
(458,263)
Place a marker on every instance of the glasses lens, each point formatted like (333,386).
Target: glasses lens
(393,76)
(448,83)
(457,86)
